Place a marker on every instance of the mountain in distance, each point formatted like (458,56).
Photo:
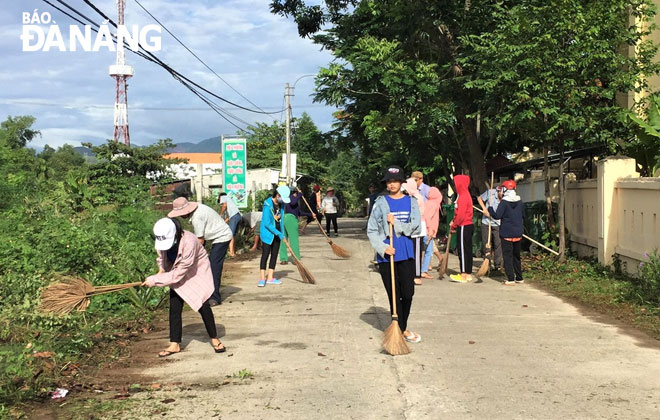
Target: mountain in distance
(211,145)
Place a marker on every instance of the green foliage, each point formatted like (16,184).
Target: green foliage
(62,216)
(645,148)
(648,280)
(16,132)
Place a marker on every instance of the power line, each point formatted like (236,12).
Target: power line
(152,58)
(173,72)
(6,101)
(199,59)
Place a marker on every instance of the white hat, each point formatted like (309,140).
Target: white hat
(164,231)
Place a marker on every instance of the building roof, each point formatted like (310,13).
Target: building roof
(197,157)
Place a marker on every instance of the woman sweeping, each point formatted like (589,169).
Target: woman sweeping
(183,266)
(462,225)
(432,219)
(402,212)
(292,212)
(272,233)
(419,239)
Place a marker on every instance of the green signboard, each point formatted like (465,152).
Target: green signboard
(234,170)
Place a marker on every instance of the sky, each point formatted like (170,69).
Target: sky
(72,95)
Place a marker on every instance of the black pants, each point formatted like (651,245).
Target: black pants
(404,280)
(319,217)
(330,217)
(270,250)
(217,257)
(176,327)
(464,248)
(511,254)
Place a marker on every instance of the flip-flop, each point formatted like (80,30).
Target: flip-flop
(220,348)
(167,353)
(414,338)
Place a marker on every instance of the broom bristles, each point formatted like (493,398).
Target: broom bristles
(73,293)
(393,341)
(485,267)
(304,272)
(442,269)
(339,251)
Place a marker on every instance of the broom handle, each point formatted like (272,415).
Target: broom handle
(117,288)
(394,315)
(530,239)
(316,219)
(288,246)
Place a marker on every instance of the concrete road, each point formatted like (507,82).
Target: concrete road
(487,351)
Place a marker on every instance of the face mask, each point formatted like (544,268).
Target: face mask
(280,201)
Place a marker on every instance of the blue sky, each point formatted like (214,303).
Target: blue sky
(71,93)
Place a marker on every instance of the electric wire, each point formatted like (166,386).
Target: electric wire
(171,70)
(199,59)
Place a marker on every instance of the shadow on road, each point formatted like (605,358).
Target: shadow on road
(375,315)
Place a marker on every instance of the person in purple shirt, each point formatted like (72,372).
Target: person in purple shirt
(294,210)
(421,186)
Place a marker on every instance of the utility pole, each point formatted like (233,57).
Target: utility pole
(288,136)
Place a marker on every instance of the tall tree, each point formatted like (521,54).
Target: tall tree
(16,132)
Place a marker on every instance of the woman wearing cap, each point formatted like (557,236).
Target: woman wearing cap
(510,212)
(402,212)
(292,211)
(271,233)
(184,267)
(462,225)
(329,207)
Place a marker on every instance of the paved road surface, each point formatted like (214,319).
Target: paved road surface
(488,351)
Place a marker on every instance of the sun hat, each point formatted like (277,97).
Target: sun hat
(164,231)
(417,175)
(181,206)
(329,189)
(284,192)
(393,172)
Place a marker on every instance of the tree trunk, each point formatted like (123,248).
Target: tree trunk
(477,164)
(548,196)
(561,211)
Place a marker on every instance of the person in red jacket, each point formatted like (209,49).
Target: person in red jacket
(463,228)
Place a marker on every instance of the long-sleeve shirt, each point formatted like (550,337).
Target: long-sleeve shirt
(296,207)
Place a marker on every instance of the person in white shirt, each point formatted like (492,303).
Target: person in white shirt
(207,226)
(330,208)
(232,217)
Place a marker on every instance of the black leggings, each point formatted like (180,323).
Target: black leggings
(464,248)
(511,254)
(176,325)
(270,250)
(330,217)
(404,280)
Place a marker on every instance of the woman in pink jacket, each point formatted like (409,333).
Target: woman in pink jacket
(419,240)
(183,266)
(432,219)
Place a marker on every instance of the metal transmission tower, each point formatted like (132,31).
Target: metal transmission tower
(121,72)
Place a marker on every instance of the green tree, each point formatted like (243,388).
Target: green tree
(16,132)
(59,162)
(265,145)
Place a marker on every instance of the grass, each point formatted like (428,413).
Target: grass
(597,287)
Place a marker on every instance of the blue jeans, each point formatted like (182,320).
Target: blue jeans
(428,254)
(233,223)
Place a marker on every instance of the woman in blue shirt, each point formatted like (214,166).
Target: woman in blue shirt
(271,233)
(402,213)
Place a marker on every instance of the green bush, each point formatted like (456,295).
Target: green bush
(648,280)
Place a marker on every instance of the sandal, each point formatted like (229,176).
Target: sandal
(418,281)
(413,338)
(426,275)
(219,348)
(167,353)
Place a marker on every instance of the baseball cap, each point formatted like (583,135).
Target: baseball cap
(393,172)
(284,192)
(164,231)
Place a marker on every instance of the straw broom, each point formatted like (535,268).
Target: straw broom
(530,239)
(73,293)
(393,341)
(485,264)
(304,272)
(338,251)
